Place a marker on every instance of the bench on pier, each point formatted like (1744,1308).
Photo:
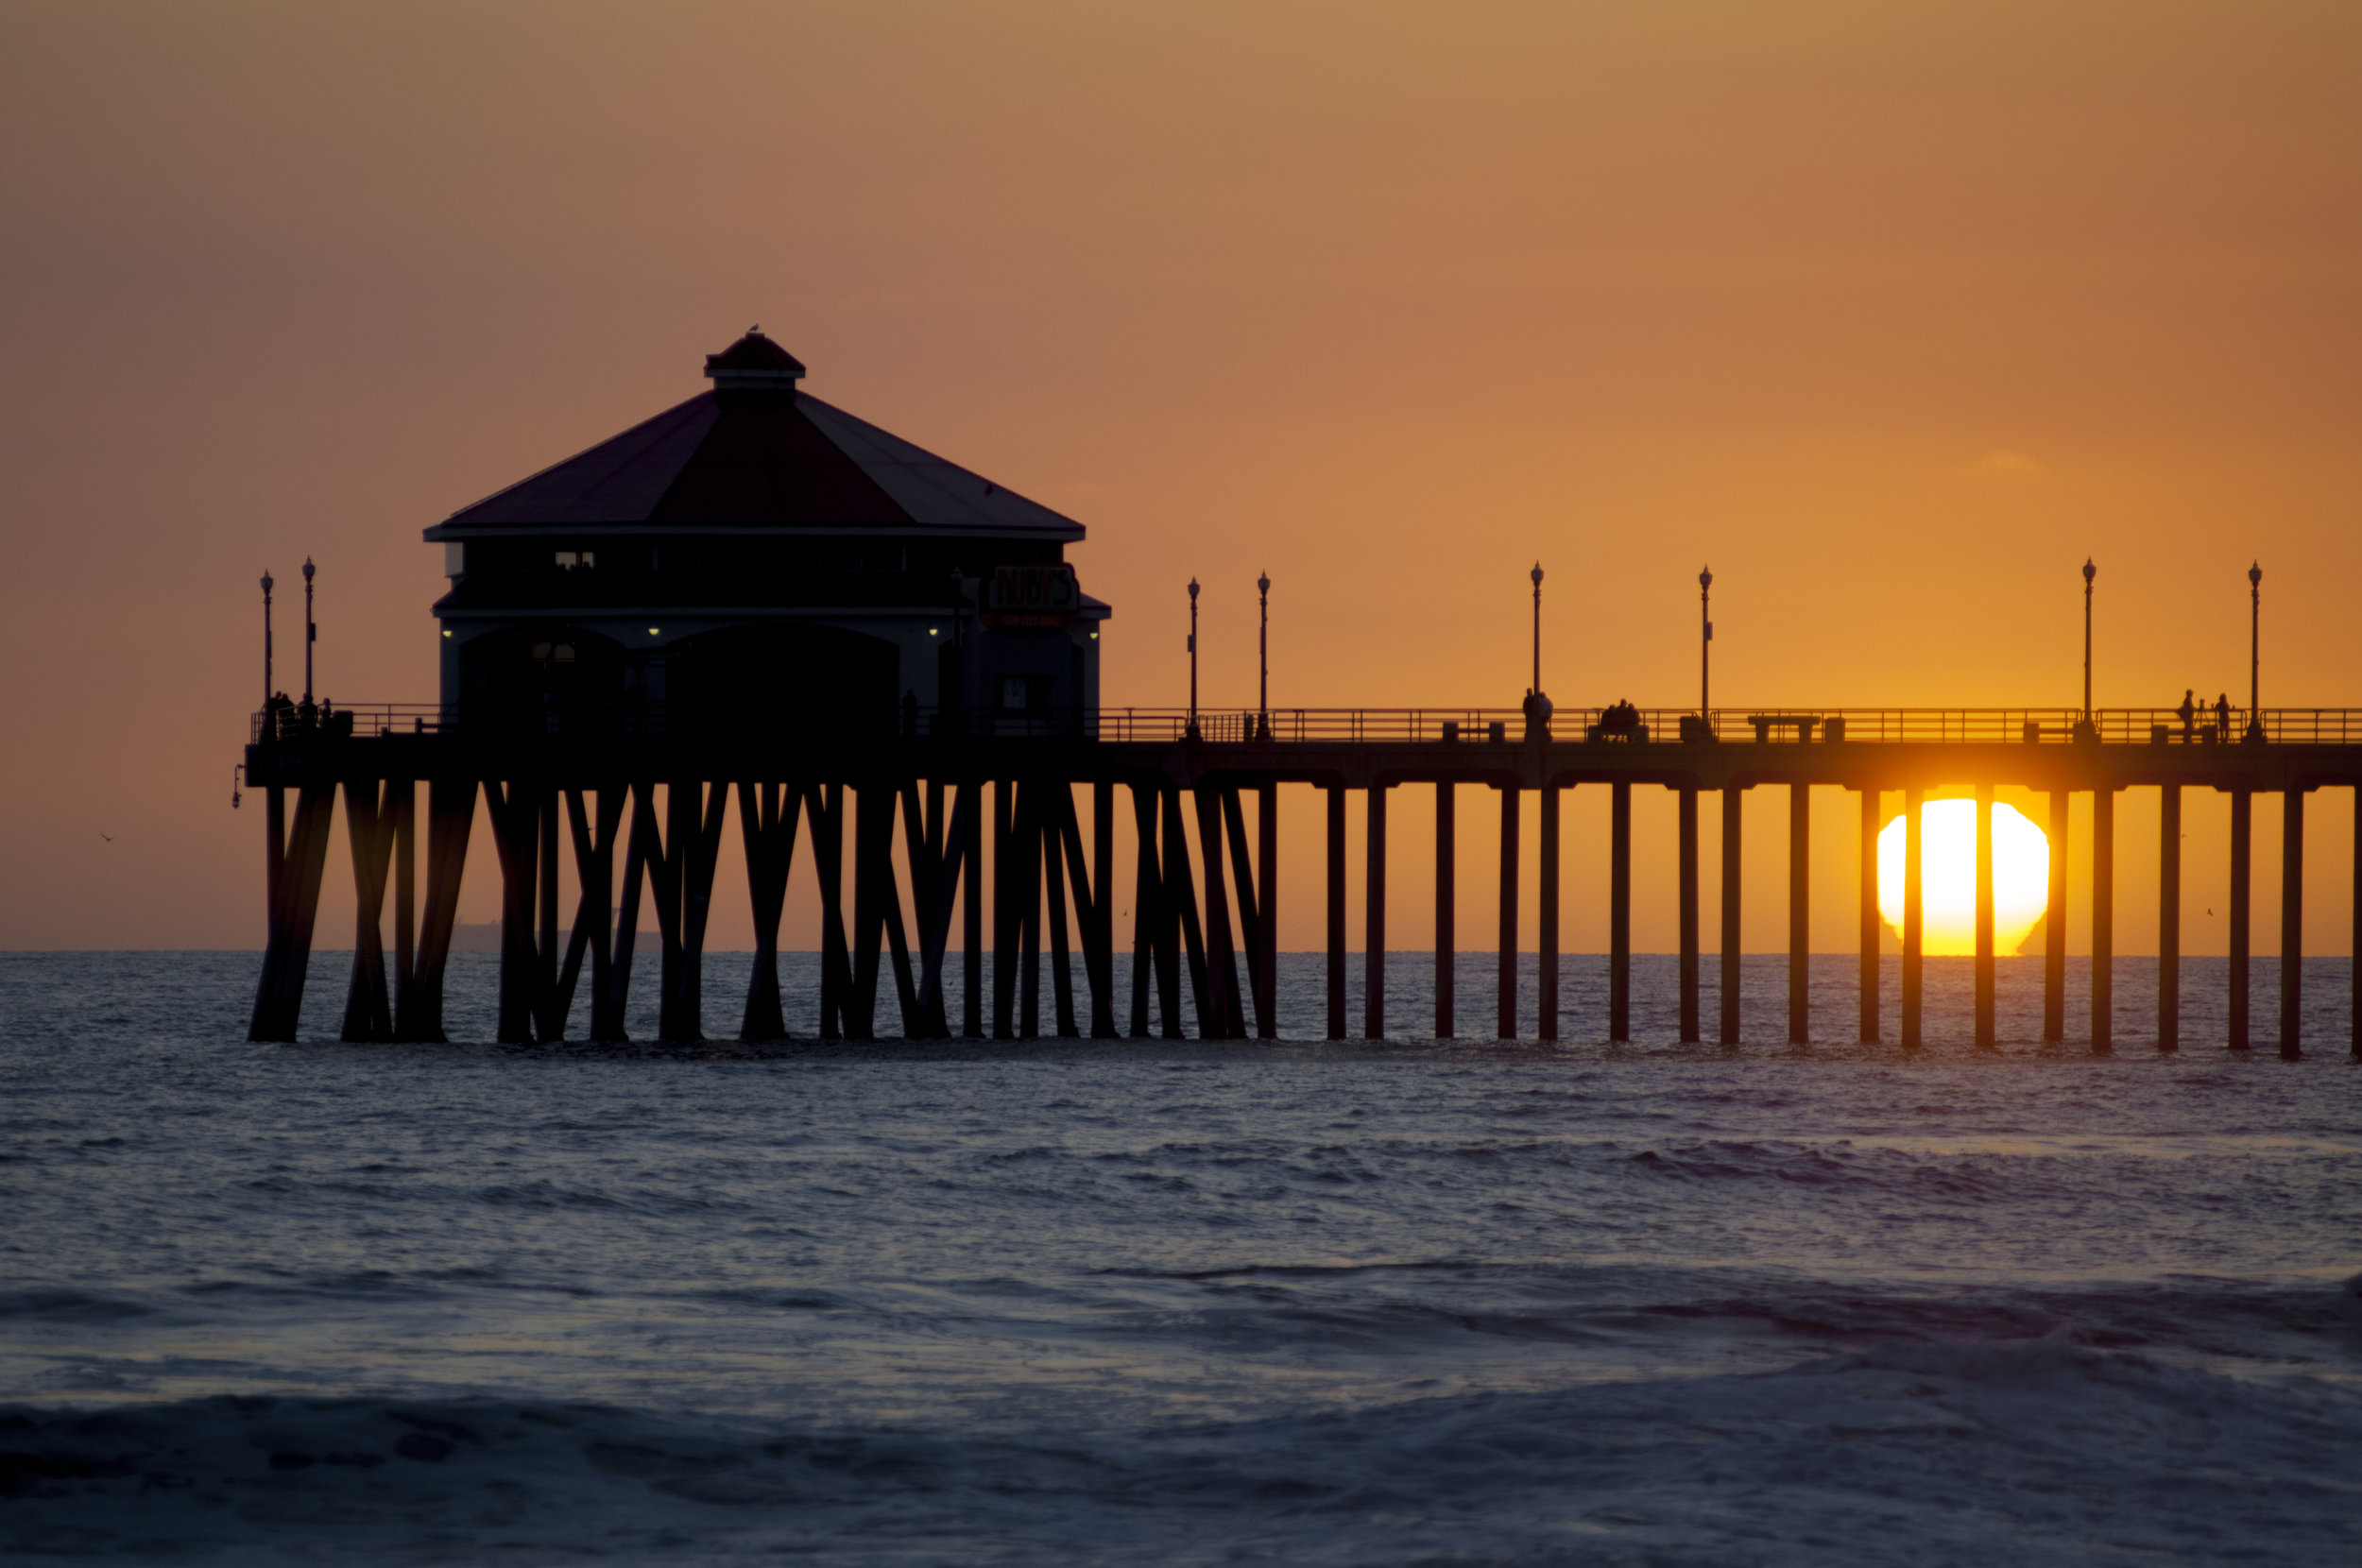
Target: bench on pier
(1803,724)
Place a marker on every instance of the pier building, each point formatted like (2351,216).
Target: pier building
(755,559)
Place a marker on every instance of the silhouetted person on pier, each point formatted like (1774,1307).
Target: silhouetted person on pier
(2188,711)
(1538,709)
(2222,717)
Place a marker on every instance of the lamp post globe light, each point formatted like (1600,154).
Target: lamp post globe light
(1191,733)
(2255,651)
(1262,655)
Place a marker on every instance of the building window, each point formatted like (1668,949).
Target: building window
(1025,693)
(576,560)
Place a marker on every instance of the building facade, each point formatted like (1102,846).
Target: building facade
(756,562)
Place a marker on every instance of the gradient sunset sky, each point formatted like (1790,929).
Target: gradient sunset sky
(1892,312)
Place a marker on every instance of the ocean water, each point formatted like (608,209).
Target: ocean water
(1411,1301)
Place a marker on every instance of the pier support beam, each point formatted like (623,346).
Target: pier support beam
(972,911)
(2169,917)
(370,818)
(1867,916)
(2353,1000)
(1733,798)
(1374,924)
(1984,918)
(2055,927)
(1914,910)
(1546,918)
(1336,794)
(1506,1028)
(1619,912)
(451,815)
(294,864)
(1267,910)
(2242,823)
(1447,880)
(1687,876)
(1799,914)
(2103,918)
(2292,924)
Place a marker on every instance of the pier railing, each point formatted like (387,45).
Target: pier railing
(1470,726)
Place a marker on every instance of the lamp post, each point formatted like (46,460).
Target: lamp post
(268,585)
(1191,733)
(1536,575)
(1706,635)
(2255,651)
(1262,691)
(2090,572)
(310,629)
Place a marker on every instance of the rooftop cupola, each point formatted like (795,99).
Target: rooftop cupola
(754,364)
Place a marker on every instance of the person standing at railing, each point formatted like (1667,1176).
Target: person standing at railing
(2222,717)
(2189,712)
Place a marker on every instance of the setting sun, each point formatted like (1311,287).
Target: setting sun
(2021,876)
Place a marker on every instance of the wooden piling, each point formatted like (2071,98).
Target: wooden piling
(1336,869)
(2242,818)
(1733,802)
(767,815)
(1685,879)
(549,1019)
(404,798)
(1619,912)
(1447,880)
(370,826)
(1506,1026)
(1914,917)
(824,809)
(1251,933)
(2292,924)
(2103,918)
(1053,880)
(2169,918)
(972,911)
(1374,924)
(1181,901)
(1267,910)
(1174,915)
(1870,928)
(1800,914)
(1984,1000)
(1546,918)
(450,816)
(1004,917)
(1025,870)
(2054,942)
(1220,955)
(515,810)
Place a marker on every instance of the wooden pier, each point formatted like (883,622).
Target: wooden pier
(642,814)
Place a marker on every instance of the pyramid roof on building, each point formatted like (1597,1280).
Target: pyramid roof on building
(756,453)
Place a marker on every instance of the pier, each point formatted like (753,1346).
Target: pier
(643,815)
(756,602)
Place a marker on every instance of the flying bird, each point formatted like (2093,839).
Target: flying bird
(108,837)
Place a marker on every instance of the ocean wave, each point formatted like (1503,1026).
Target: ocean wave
(2031,1451)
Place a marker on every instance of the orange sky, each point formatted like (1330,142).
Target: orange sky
(1892,312)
